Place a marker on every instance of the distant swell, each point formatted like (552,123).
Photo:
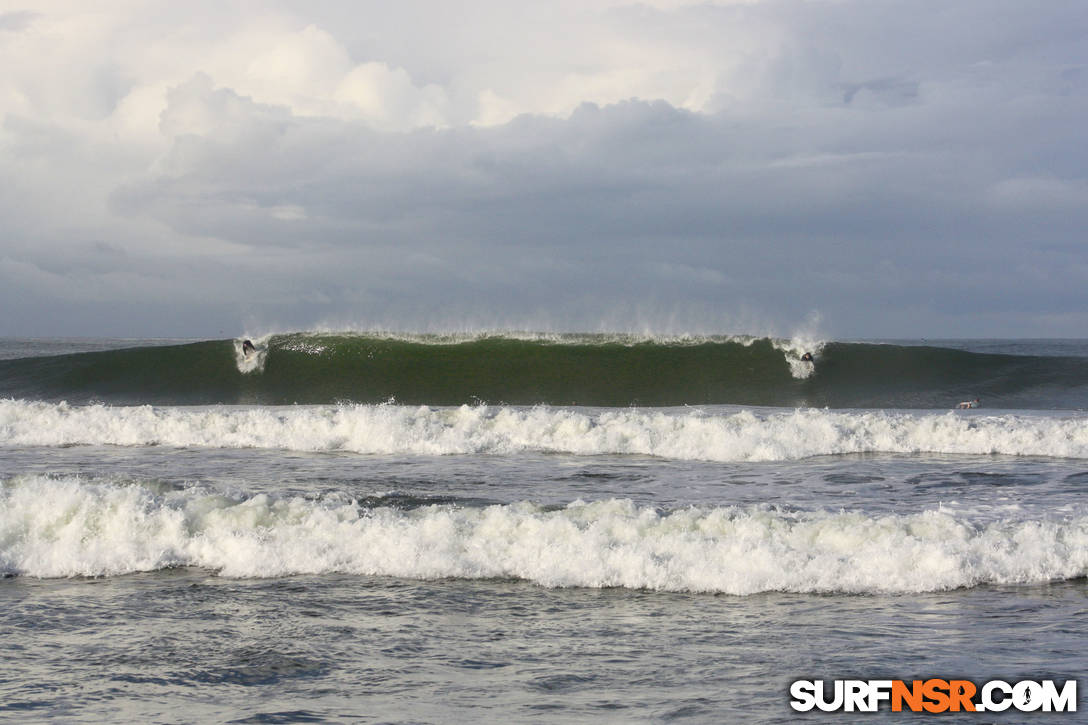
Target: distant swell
(584,370)
(721,435)
(71,527)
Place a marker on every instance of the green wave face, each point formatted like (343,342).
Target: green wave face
(565,370)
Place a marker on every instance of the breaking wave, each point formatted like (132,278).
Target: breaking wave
(586,370)
(722,434)
(62,527)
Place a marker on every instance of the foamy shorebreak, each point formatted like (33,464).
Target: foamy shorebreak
(67,526)
(688,434)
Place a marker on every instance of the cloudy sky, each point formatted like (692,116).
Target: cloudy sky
(867,168)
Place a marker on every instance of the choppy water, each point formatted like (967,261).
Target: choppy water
(396,563)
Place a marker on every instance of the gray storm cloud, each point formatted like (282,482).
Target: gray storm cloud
(904,168)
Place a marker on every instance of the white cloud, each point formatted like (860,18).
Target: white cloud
(387,99)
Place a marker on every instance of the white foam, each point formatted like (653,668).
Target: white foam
(722,435)
(58,527)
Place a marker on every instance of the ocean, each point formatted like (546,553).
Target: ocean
(521,527)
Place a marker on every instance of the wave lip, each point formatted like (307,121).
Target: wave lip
(586,370)
(685,434)
(60,527)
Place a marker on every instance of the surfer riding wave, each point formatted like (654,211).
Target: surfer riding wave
(249,356)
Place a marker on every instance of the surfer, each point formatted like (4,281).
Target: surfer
(248,348)
(968,404)
(807,357)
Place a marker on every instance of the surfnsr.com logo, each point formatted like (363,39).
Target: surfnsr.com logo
(933,695)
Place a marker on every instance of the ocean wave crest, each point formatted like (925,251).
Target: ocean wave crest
(687,434)
(586,370)
(61,527)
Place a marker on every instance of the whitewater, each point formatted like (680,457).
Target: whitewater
(559,527)
(709,435)
(71,527)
